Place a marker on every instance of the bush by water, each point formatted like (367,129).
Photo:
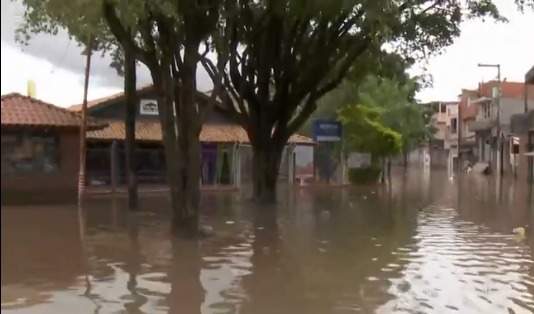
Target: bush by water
(366,175)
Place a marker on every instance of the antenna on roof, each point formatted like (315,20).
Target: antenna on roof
(31,89)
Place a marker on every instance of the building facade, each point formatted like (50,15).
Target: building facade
(496,103)
(522,127)
(443,144)
(40,149)
(41,145)
(467,113)
(226,153)
(451,136)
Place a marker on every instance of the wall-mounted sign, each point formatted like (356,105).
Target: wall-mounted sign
(327,130)
(148,107)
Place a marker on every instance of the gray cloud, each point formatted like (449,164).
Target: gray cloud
(66,54)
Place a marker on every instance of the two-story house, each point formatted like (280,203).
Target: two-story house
(467,113)
(523,128)
(226,155)
(441,141)
(451,136)
(496,104)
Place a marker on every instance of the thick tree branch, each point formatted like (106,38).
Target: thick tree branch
(308,108)
(122,35)
(344,66)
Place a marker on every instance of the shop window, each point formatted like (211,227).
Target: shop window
(29,153)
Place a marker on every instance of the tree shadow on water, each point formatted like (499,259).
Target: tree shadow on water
(276,283)
(133,266)
(187,293)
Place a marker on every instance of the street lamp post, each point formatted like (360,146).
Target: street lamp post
(497,99)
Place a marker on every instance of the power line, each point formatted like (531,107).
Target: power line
(62,59)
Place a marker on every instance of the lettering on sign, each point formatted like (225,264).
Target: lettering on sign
(148,107)
(327,130)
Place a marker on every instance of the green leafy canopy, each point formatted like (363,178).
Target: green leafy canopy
(277,56)
(364,131)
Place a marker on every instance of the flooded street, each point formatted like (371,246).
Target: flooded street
(426,245)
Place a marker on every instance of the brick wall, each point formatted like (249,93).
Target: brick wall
(61,185)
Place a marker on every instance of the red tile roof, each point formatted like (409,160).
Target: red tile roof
(150,131)
(20,110)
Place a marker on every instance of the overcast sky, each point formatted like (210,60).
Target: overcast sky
(56,64)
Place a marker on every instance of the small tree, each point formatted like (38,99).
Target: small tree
(398,111)
(364,132)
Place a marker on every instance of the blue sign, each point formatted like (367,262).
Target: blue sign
(327,130)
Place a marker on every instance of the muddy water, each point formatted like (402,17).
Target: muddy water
(425,245)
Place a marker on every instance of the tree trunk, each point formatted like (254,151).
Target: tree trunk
(130,93)
(383,174)
(266,164)
(182,145)
(177,153)
(389,169)
(189,125)
(405,158)
(165,86)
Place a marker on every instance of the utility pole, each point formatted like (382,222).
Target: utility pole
(83,126)
(496,99)
(500,143)
(459,132)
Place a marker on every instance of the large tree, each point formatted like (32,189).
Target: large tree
(280,57)
(166,37)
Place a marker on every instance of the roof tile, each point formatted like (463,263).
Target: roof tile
(20,110)
(150,131)
(110,98)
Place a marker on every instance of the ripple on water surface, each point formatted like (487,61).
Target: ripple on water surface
(457,266)
(398,251)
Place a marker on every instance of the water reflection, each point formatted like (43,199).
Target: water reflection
(420,244)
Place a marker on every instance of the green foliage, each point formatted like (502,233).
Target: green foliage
(363,131)
(278,58)
(374,63)
(53,15)
(365,175)
(398,112)
(142,22)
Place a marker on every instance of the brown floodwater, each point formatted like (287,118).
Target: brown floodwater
(425,244)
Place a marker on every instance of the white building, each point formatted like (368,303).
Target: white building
(450,142)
